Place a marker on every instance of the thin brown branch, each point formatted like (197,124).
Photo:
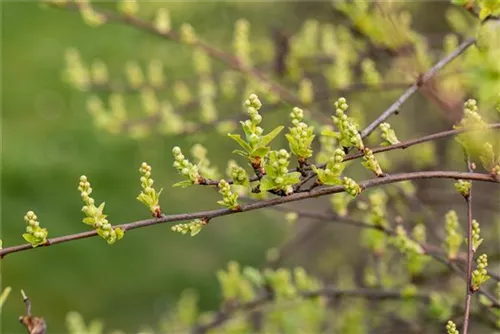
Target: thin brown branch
(317,192)
(331,292)
(468,281)
(414,88)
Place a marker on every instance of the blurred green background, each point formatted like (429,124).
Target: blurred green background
(49,140)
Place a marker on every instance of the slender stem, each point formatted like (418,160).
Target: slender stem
(317,192)
(414,88)
(468,283)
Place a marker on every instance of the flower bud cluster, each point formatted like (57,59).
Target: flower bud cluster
(463,187)
(128,7)
(163,23)
(148,195)
(277,176)
(480,274)
(330,175)
(351,187)
(186,168)
(371,163)
(237,173)
(95,216)
(188,34)
(451,328)
(301,135)
(193,227)
(454,237)
(405,245)
(349,135)
(134,75)
(35,234)
(388,135)
(76,72)
(229,199)
(241,43)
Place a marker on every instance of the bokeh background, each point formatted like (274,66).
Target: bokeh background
(49,140)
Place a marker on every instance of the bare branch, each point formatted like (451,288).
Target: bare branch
(414,88)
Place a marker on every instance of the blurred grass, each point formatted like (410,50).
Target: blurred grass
(48,141)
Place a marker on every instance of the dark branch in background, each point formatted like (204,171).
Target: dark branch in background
(431,250)
(414,88)
(373,294)
(317,192)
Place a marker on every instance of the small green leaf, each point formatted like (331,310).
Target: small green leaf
(292,178)
(240,152)
(241,142)
(195,230)
(260,152)
(89,220)
(119,233)
(265,140)
(266,183)
(330,133)
(183,184)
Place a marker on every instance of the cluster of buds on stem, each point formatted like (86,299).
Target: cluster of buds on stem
(186,169)
(35,234)
(95,216)
(230,199)
(277,176)
(349,135)
(480,275)
(193,228)
(301,136)
(148,195)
